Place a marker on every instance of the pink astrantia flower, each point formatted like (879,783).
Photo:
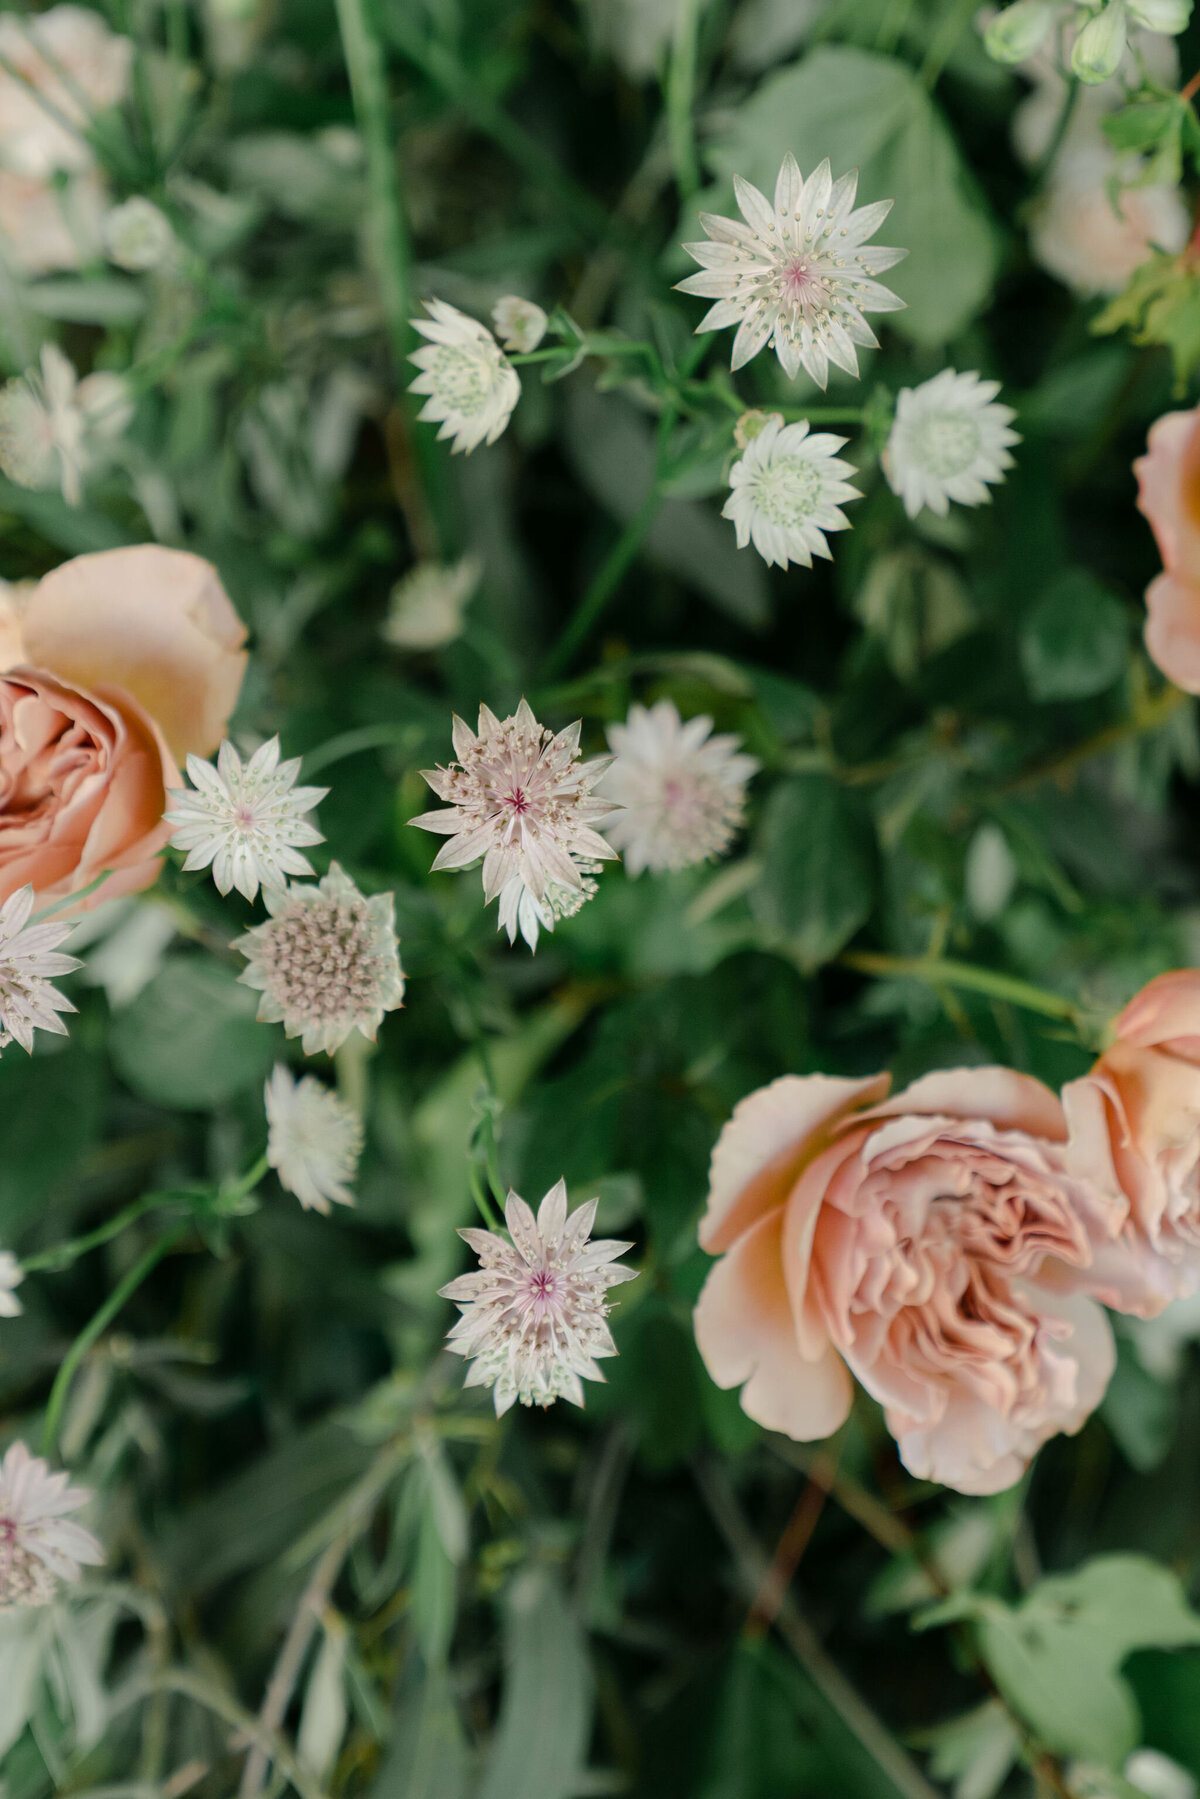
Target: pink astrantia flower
(521,799)
(932,1245)
(533,1313)
(1169,495)
(39,1545)
(799,274)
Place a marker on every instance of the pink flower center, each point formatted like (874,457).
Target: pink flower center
(798,279)
(543,1287)
(518,802)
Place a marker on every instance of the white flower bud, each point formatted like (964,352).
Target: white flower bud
(136,235)
(519,324)
(1100,45)
(1168,16)
(1019,30)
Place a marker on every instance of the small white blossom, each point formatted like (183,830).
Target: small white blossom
(54,427)
(520,798)
(427,604)
(325,962)
(11,1276)
(1101,44)
(520,324)
(786,492)
(29,961)
(682,789)
(519,911)
(39,1545)
(314,1140)
(246,819)
(137,236)
(799,274)
(533,1314)
(949,439)
(471,384)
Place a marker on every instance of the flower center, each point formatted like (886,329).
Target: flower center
(946,444)
(460,379)
(787,490)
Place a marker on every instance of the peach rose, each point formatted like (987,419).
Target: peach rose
(156,622)
(113,665)
(931,1245)
(1169,495)
(1135,1135)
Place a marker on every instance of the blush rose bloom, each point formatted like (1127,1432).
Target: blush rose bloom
(1169,494)
(115,666)
(1135,1135)
(931,1245)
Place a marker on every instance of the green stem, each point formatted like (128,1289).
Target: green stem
(386,227)
(935,971)
(247,1183)
(1061,127)
(823,415)
(609,577)
(63,1255)
(70,899)
(124,1290)
(681,97)
(353,743)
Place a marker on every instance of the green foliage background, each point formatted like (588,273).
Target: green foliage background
(966,755)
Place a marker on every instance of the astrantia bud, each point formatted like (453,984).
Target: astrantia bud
(520,324)
(1100,45)
(137,236)
(751,424)
(1168,16)
(1019,30)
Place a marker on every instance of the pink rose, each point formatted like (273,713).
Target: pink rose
(115,665)
(1135,1135)
(1169,495)
(932,1245)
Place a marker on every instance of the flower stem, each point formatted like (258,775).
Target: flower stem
(386,227)
(611,573)
(123,1291)
(63,1255)
(935,971)
(824,415)
(247,1183)
(681,94)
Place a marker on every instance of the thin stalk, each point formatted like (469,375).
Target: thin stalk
(63,1255)
(216,1700)
(247,1182)
(124,1290)
(69,899)
(612,572)
(824,415)
(386,227)
(283,1680)
(936,971)
(681,97)
(1061,126)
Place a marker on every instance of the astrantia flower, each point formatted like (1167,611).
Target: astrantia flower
(520,798)
(471,384)
(137,236)
(39,1545)
(520,324)
(29,960)
(950,437)
(519,911)
(799,275)
(683,790)
(426,606)
(533,1314)
(11,1276)
(314,1139)
(325,962)
(787,486)
(246,819)
(53,427)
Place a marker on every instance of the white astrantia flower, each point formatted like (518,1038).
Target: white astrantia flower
(54,427)
(325,962)
(682,789)
(137,236)
(520,324)
(798,274)
(29,960)
(471,385)
(314,1140)
(787,487)
(519,911)
(533,1316)
(949,439)
(427,604)
(248,819)
(11,1276)
(520,798)
(39,1545)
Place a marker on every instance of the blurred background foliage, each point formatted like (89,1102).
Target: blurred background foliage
(966,755)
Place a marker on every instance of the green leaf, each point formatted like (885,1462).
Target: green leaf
(1056,1657)
(51,1106)
(190,1038)
(1075,641)
(106,302)
(545,1715)
(1140,1411)
(427,1757)
(869,112)
(818,859)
